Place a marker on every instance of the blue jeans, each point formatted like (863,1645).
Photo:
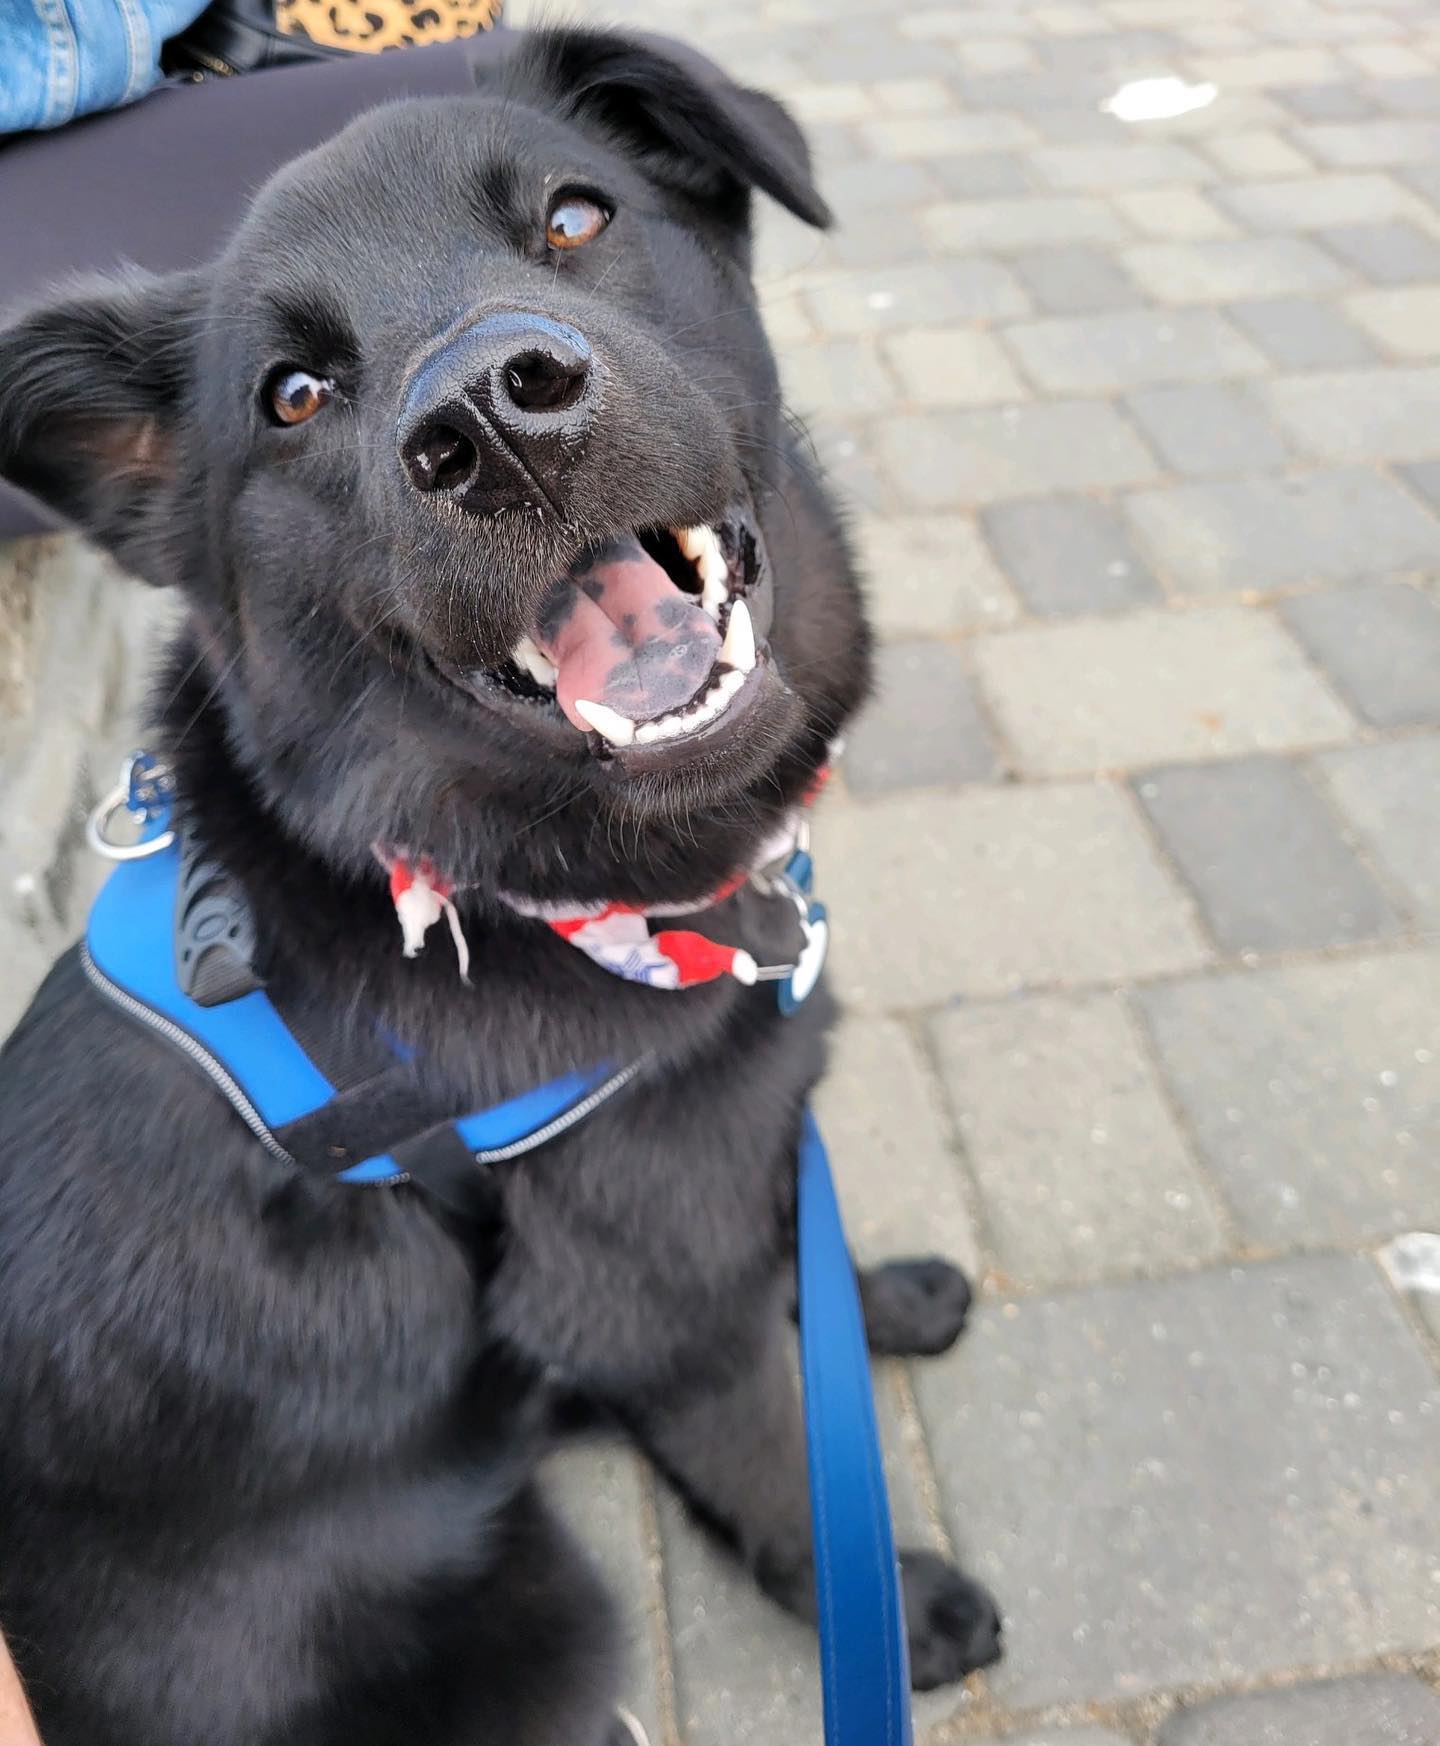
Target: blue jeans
(63,58)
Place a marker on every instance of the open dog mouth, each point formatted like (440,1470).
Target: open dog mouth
(646,645)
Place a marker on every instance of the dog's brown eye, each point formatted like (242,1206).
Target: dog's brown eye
(574,221)
(295,395)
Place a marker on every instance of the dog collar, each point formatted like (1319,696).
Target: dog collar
(620,937)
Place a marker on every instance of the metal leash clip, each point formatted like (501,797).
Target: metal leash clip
(144,791)
(793,881)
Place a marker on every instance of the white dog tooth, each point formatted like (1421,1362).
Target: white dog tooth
(731,683)
(739,645)
(528,655)
(701,545)
(713,596)
(608,723)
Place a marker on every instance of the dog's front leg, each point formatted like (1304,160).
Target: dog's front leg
(736,1453)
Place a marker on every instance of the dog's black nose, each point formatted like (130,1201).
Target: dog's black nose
(499,415)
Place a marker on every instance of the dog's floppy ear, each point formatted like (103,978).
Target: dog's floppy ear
(90,390)
(693,127)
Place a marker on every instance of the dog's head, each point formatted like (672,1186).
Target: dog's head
(465,455)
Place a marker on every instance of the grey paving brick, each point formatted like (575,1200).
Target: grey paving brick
(1368,1709)
(1096,354)
(924,728)
(1388,254)
(1268,67)
(1403,320)
(953,367)
(844,376)
(890,234)
(1060,1737)
(1075,127)
(1082,1170)
(945,136)
(1181,213)
(1256,153)
(1313,1092)
(1423,478)
(1390,794)
(1264,856)
(1224,271)
(947,459)
(598,1489)
(881,56)
(899,1185)
(931,573)
(783,245)
(1068,280)
(1301,335)
(1319,202)
(1364,145)
(1418,96)
(1152,687)
(1385,61)
(1326,102)
(1126,164)
(1332,526)
(847,465)
(746,1674)
(912,296)
(855,189)
(1081,39)
(981,175)
(1206,428)
(1380,645)
(1067,555)
(1032,92)
(1195,1480)
(992,898)
(1424,179)
(1037,221)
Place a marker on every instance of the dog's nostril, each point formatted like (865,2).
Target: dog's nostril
(544,382)
(440,458)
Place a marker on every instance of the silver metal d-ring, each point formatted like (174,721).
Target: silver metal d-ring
(98,823)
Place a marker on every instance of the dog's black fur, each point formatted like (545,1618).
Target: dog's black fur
(267,1445)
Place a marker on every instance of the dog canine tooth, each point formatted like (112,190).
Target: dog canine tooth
(701,545)
(713,596)
(528,656)
(738,649)
(731,683)
(608,723)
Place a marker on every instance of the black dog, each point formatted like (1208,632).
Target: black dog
(467,457)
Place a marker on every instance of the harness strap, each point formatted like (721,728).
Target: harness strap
(382,1130)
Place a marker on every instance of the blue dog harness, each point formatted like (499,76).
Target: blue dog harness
(162,917)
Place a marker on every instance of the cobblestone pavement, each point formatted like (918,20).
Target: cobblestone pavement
(1136,863)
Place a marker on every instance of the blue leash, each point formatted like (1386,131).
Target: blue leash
(254,1060)
(864,1661)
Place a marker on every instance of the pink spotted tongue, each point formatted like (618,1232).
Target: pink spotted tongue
(619,632)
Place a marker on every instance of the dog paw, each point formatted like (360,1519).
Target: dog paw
(914,1309)
(953,1625)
